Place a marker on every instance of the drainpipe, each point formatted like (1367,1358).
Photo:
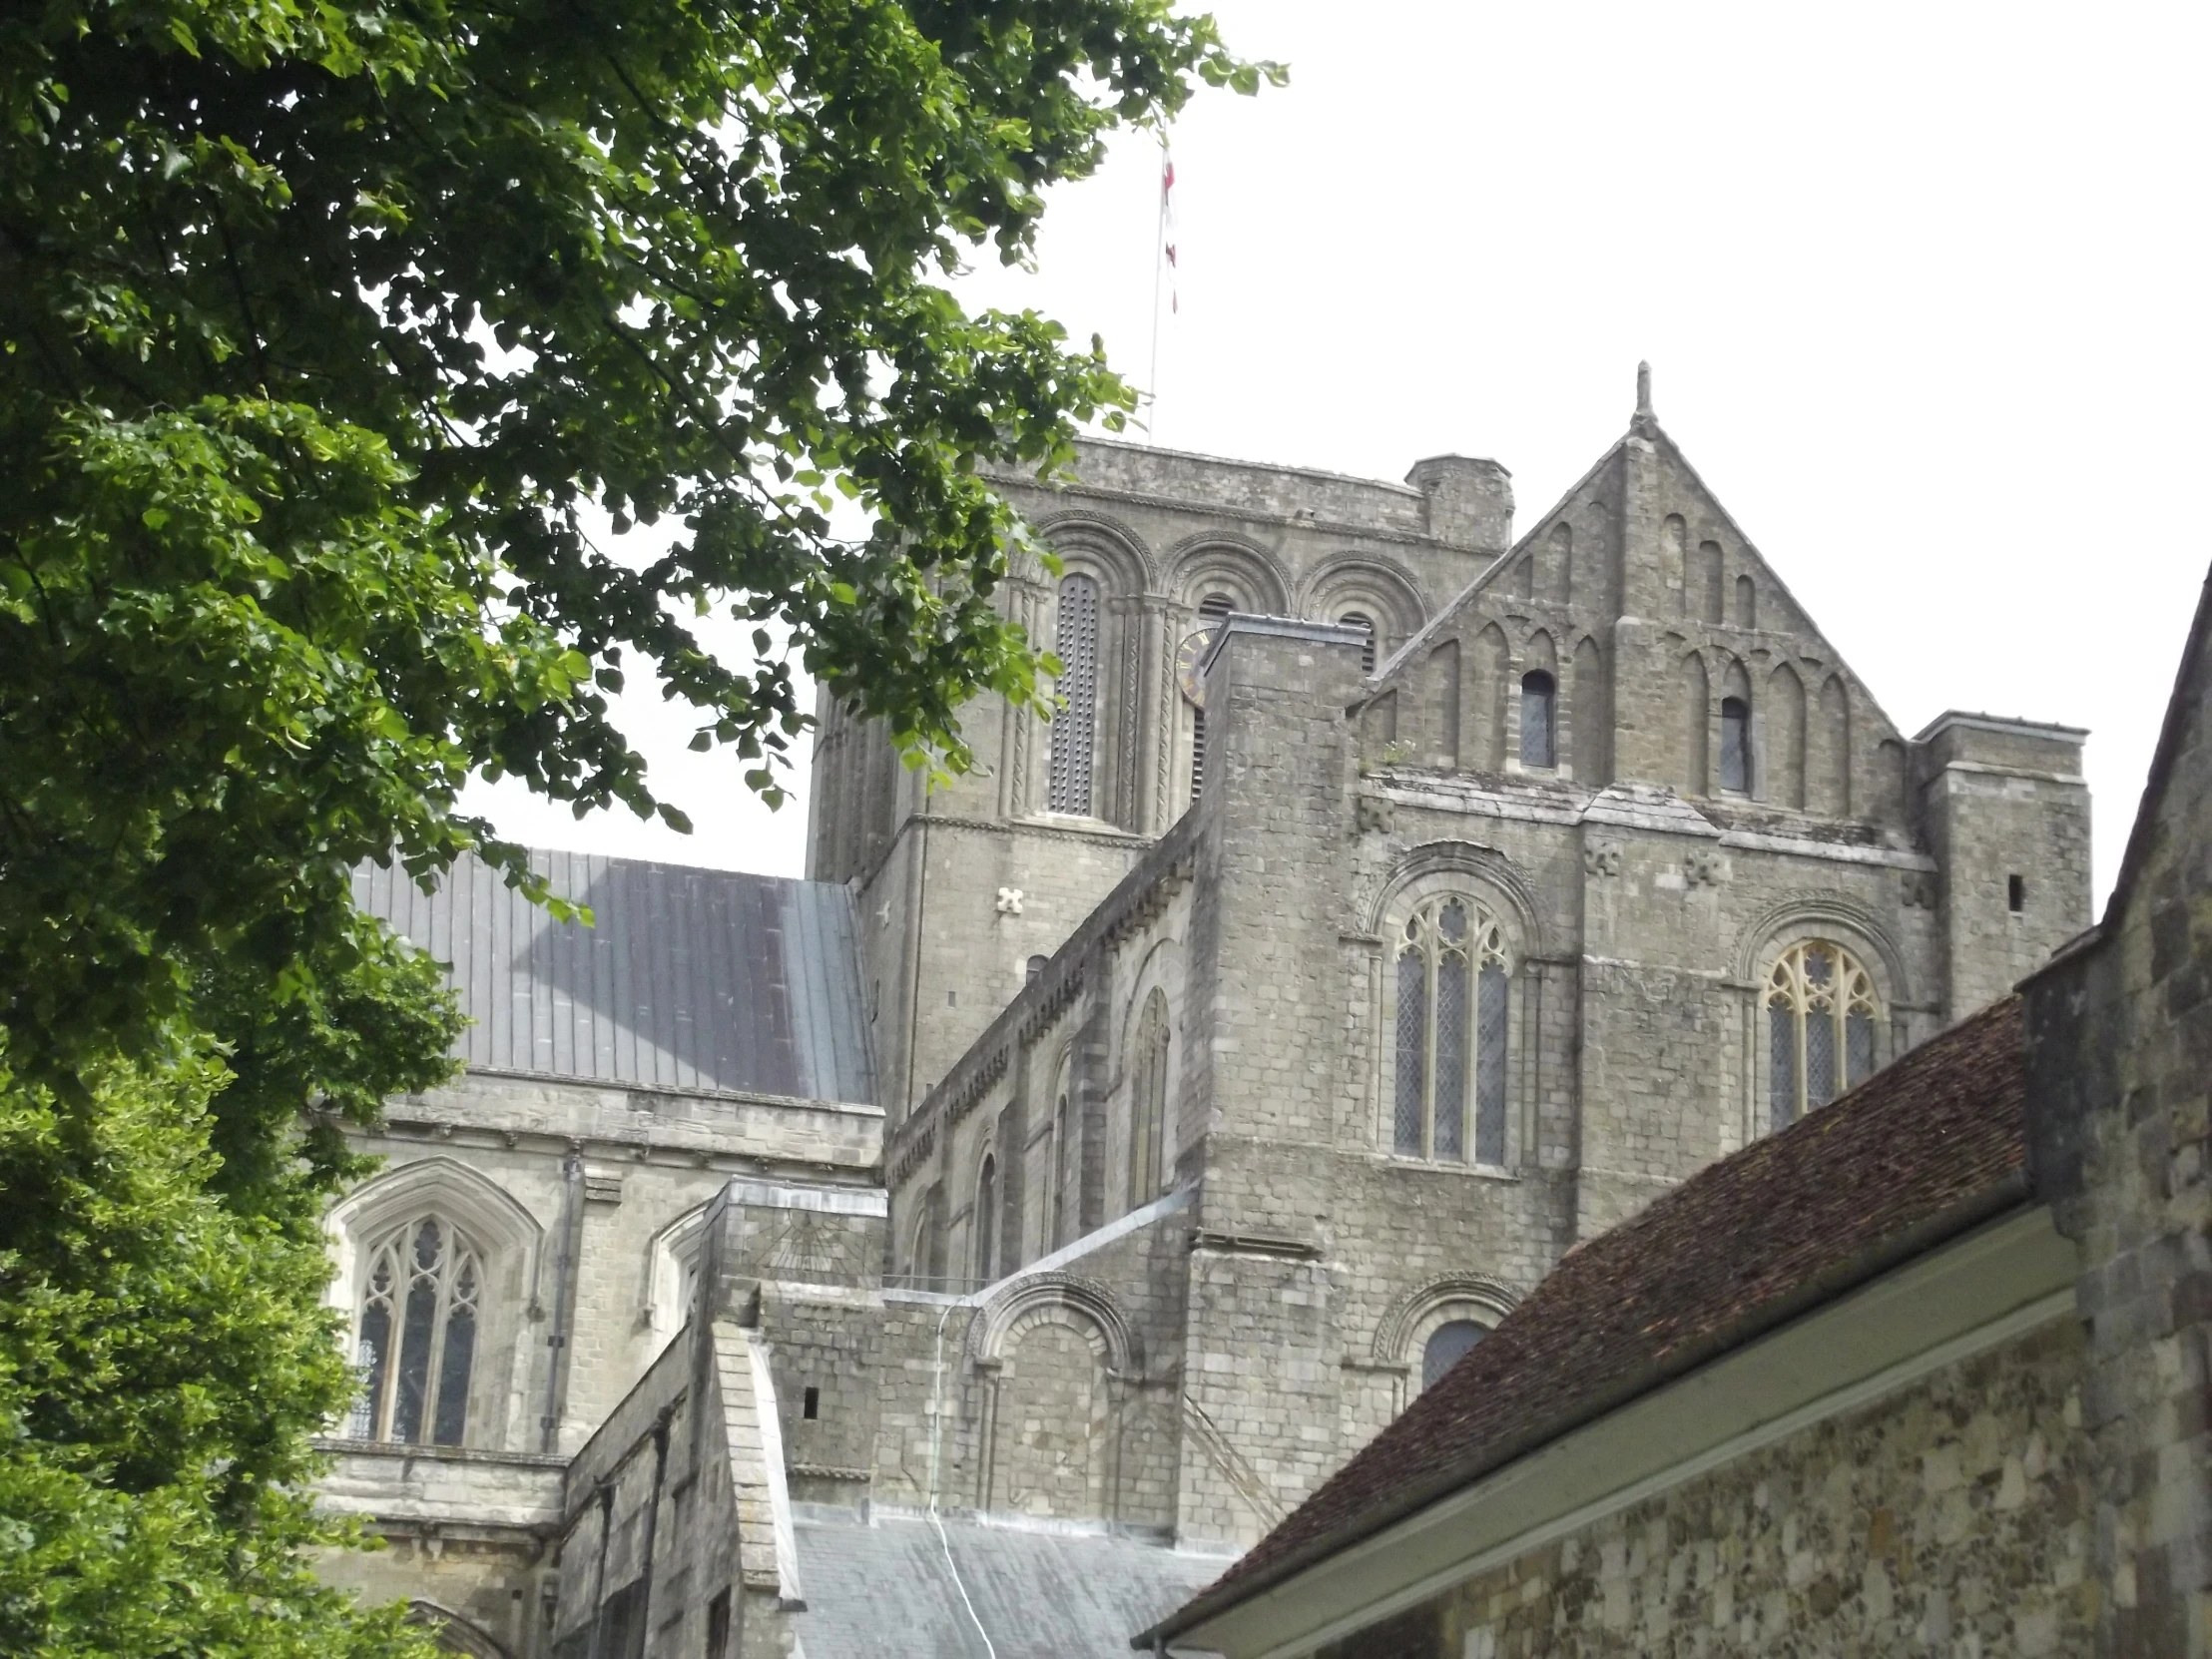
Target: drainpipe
(566,1273)
(914,990)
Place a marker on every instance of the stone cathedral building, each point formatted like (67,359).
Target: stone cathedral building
(990,1237)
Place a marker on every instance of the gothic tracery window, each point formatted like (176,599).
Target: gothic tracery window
(1821,1012)
(1148,1100)
(419,1313)
(1448,1091)
(1075,723)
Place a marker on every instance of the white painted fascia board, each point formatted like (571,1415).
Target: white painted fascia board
(1985,1288)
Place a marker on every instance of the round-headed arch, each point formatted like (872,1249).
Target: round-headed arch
(1452,1296)
(1824,915)
(1057,1298)
(1213,562)
(1099,545)
(1374,587)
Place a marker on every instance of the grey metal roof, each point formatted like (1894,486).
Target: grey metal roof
(885,1591)
(697,980)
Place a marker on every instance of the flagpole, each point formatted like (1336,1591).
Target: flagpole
(1159,259)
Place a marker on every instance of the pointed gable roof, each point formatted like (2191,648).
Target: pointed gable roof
(1687,485)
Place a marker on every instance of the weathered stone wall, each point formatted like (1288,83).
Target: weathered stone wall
(629,1172)
(2007,818)
(1161,533)
(1642,919)
(1204,1371)
(470,1547)
(1953,1517)
(669,1541)
(2120,1112)
(534,1170)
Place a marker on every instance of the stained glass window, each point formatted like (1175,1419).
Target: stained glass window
(1820,1015)
(1408,1133)
(1449,1083)
(417,1348)
(1489,1075)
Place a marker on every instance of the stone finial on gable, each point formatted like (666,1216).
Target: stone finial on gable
(1645,419)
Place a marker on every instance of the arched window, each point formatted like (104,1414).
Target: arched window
(1211,610)
(1735,744)
(1075,723)
(420,1302)
(986,1221)
(1365,624)
(1539,722)
(1060,1174)
(1747,602)
(1821,1013)
(1148,1100)
(1451,1037)
(1447,1346)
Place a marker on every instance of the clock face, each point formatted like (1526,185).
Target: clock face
(1186,666)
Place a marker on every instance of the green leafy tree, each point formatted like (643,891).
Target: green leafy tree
(326,329)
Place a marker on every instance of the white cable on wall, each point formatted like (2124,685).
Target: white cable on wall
(937,1443)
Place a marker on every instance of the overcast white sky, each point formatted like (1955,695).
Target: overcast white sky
(1924,288)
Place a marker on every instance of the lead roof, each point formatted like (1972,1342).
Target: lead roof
(697,980)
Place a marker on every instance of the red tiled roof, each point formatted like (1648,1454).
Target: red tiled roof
(1926,1147)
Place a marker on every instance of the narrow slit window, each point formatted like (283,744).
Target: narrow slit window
(811,1407)
(986,1221)
(1211,610)
(1059,1173)
(2015,893)
(1735,744)
(1539,709)
(1365,624)
(1148,1073)
(1076,722)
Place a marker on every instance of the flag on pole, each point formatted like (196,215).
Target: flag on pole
(1163,272)
(1167,223)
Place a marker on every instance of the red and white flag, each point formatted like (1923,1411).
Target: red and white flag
(1167,223)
